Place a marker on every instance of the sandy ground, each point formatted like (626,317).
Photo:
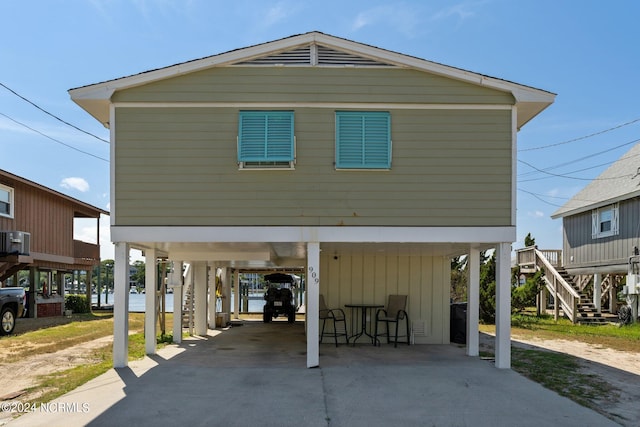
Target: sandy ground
(18,376)
(619,369)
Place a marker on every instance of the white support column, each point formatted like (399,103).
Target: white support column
(503,306)
(150,300)
(473,303)
(313,304)
(236,294)
(121,306)
(597,292)
(176,282)
(226,290)
(213,298)
(200,297)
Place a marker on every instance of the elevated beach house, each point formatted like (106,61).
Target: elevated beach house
(366,168)
(37,246)
(601,232)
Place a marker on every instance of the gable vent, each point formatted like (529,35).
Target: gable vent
(291,57)
(315,55)
(330,56)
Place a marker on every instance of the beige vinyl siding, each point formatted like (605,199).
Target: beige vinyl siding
(178,166)
(313,84)
(363,278)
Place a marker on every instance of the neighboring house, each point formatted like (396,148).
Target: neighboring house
(601,227)
(601,223)
(365,168)
(36,234)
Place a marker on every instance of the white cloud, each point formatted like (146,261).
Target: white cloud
(554,192)
(402,18)
(537,214)
(75,183)
(276,13)
(462,11)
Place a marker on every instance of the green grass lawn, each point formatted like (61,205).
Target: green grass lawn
(562,372)
(623,338)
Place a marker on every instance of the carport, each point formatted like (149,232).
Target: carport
(344,263)
(258,372)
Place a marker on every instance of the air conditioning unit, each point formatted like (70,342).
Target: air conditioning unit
(15,243)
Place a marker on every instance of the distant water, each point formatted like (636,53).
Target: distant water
(137,302)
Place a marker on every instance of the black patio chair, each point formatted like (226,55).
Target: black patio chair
(394,313)
(336,316)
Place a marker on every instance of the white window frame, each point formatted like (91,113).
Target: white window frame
(10,191)
(600,217)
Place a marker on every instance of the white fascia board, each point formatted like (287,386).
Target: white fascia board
(520,92)
(592,206)
(314,234)
(106,89)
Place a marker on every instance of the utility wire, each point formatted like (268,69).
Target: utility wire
(52,115)
(579,170)
(571,177)
(555,197)
(582,137)
(576,160)
(53,139)
(537,196)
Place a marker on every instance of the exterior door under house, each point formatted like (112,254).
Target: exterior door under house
(366,168)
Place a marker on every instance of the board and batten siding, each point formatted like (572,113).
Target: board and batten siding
(607,254)
(365,278)
(313,84)
(178,166)
(35,211)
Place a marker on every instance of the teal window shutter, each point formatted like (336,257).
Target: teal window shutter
(265,136)
(363,140)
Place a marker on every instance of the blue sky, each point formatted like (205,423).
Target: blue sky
(584,51)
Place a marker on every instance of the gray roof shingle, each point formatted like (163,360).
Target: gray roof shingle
(620,181)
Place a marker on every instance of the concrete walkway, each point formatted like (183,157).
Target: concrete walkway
(255,374)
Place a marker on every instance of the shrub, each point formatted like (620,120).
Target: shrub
(77,303)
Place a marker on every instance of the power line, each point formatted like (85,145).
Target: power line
(539,198)
(570,177)
(53,139)
(555,197)
(52,115)
(579,170)
(576,160)
(582,137)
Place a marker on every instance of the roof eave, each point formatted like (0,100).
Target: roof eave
(95,98)
(586,208)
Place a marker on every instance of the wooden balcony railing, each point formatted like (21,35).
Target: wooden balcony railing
(84,250)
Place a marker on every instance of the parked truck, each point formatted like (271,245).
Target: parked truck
(12,303)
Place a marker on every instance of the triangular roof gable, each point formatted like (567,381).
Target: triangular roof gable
(620,181)
(95,99)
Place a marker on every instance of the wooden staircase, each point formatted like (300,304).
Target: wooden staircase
(569,292)
(188,308)
(11,264)
(587,311)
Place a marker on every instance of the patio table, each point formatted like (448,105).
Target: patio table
(365,309)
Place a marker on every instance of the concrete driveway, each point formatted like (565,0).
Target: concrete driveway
(255,374)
